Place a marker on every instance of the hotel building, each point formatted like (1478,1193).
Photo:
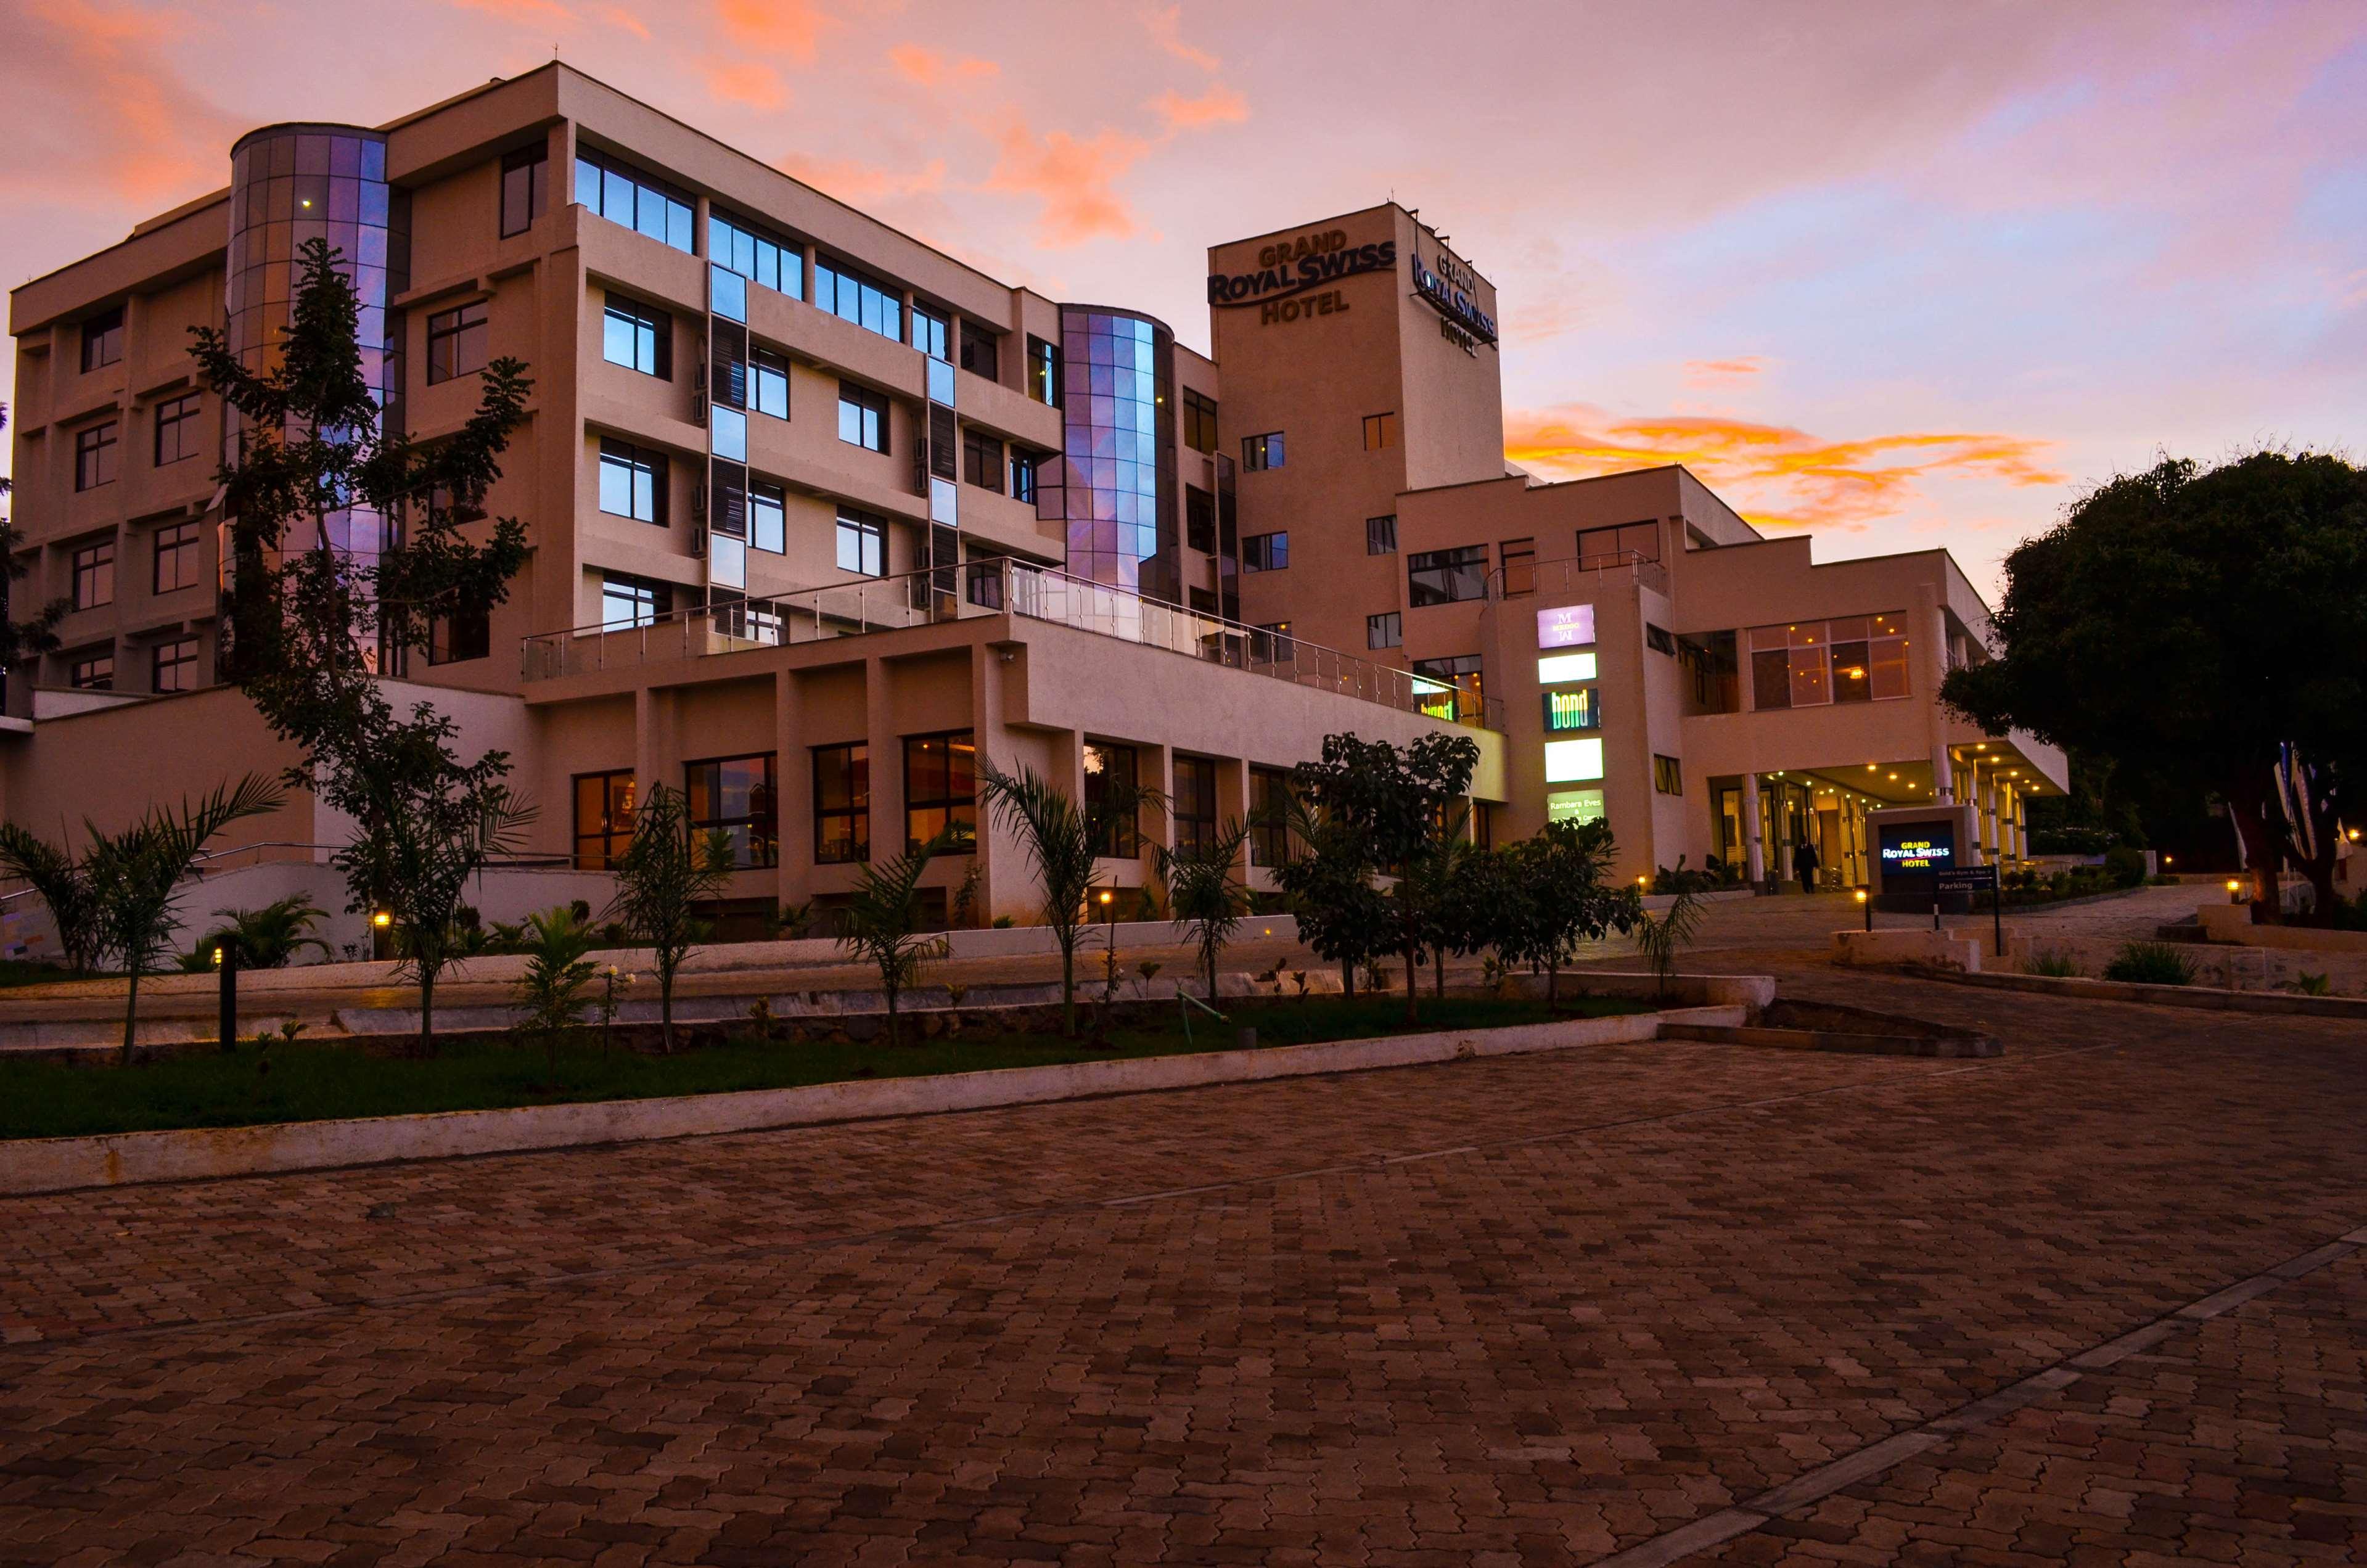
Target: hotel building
(818,515)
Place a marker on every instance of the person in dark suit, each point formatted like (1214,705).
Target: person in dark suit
(1804,864)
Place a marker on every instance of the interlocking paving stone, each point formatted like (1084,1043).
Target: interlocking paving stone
(1522,1310)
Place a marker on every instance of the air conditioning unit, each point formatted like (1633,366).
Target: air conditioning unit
(699,542)
(698,503)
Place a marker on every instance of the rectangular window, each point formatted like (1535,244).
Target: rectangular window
(632,481)
(1610,547)
(933,333)
(862,417)
(1657,639)
(768,516)
(1110,774)
(95,456)
(102,339)
(733,795)
(526,187)
(638,337)
(1023,475)
(603,818)
(1195,802)
(851,296)
(862,543)
(1261,451)
(1042,371)
(1199,519)
(1271,641)
(1463,673)
(1811,663)
(755,253)
(1667,775)
(462,635)
(1199,422)
(1381,535)
(173,666)
(94,575)
(1446,576)
(177,428)
(941,789)
(1381,431)
(643,203)
(1269,816)
(95,672)
(626,602)
(1385,630)
(178,558)
(456,342)
(1519,559)
(769,384)
(981,351)
(982,459)
(842,804)
(1266,552)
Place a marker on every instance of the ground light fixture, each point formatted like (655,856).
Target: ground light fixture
(1867,904)
(382,920)
(2233,885)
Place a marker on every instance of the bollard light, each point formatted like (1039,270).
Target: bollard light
(2233,889)
(1867,904)
(382,920)
(218,955)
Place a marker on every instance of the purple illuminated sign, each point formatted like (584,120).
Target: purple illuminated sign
(1567,625)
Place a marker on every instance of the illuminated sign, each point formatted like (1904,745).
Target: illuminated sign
(1573,710)
(1566,626)
(1574,805)
(1456,304)
(1292,266)
(1572,762)
(1913,854)
(1559,668)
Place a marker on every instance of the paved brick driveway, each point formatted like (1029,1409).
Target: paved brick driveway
(1532,1309)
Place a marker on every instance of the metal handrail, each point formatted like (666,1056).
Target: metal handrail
(1653,572)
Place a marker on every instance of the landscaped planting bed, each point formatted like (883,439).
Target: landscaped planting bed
(297,1081)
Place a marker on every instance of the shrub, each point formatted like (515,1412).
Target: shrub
(2055,965)
(2125,867)
(2151,963)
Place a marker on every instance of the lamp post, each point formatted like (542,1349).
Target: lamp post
(1867,904)
(226,1025)
(1109,925)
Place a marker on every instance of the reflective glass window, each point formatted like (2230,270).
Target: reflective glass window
(641,203)
(632,481)
(626,602)
(526,187)
(941,789)
(177,428)
(1446,576)
(1266,552)
(862,543)
(638,337)
(842,804)
(457,341)
(769,390)
(852,296)
(95,456)
(734,796)
(755,253)
(862,416)
(603,818)
(179,557)
(93,575)
(102,339)
(768,516)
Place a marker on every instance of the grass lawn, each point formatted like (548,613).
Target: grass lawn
(313,1082)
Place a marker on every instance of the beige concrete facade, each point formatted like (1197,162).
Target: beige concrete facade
(1363,344)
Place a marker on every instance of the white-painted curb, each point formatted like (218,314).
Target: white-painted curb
(59,1165)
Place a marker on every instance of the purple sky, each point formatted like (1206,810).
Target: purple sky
(1901,274)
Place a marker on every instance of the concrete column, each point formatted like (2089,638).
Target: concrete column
(1754,847)
(657,758)
(1233,804)
(1002,860)
(886,757)
(1928,630)
(793,779)
(1989,809)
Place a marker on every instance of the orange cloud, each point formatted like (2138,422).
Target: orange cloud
(1218,105)
(749,81)
(618,16)
(1073,179)
(535,11)
(1722,372)
(159,142)
(927,68)
(794,28)
(1167,32)
(1787,478)
(857,183)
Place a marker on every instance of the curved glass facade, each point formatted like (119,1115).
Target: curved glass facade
(1119,479)
(294,183)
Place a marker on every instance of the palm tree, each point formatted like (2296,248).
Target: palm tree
(268,937)
(882,922)
(666,872)
(557,972)
(1202,895)
(137,874)
(63,884)
(1661,939)
(1063,840)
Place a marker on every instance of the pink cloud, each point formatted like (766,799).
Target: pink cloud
(1218,105)
(1074,180)
(793,28)
(749,82)
(927,68)
(1167,32)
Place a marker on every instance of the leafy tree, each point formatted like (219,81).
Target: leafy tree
(882,922)
(1202,895)
(1329,880)
(63,884)
(1063,839)
(20,640)
(557,976)
(666,872)
(2179,622)
(346,541)
(1399,805)
(1555,895)
(133,878)
(1430,901)
(268,937)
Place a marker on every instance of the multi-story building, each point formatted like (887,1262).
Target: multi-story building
(818,516)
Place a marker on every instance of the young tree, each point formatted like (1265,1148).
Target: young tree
(1661,938)
(883,922)
(1328,877)
(137,875)
(268,937)
(345,541)
(1063,839)
(2179,622)
(664,874)
(63,884)
(1202,895)
(1560,898)
(557,975)
(1400,803)
(20,640)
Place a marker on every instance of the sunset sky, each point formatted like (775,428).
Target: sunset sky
(1899,274)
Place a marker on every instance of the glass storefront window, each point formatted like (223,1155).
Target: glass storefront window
(1859,658)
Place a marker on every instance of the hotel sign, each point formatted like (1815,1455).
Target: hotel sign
(1450,291)
(1915,855)
(1289,267)
(1566,626)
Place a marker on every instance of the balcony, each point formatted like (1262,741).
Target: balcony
(982,589)
(1576,574)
